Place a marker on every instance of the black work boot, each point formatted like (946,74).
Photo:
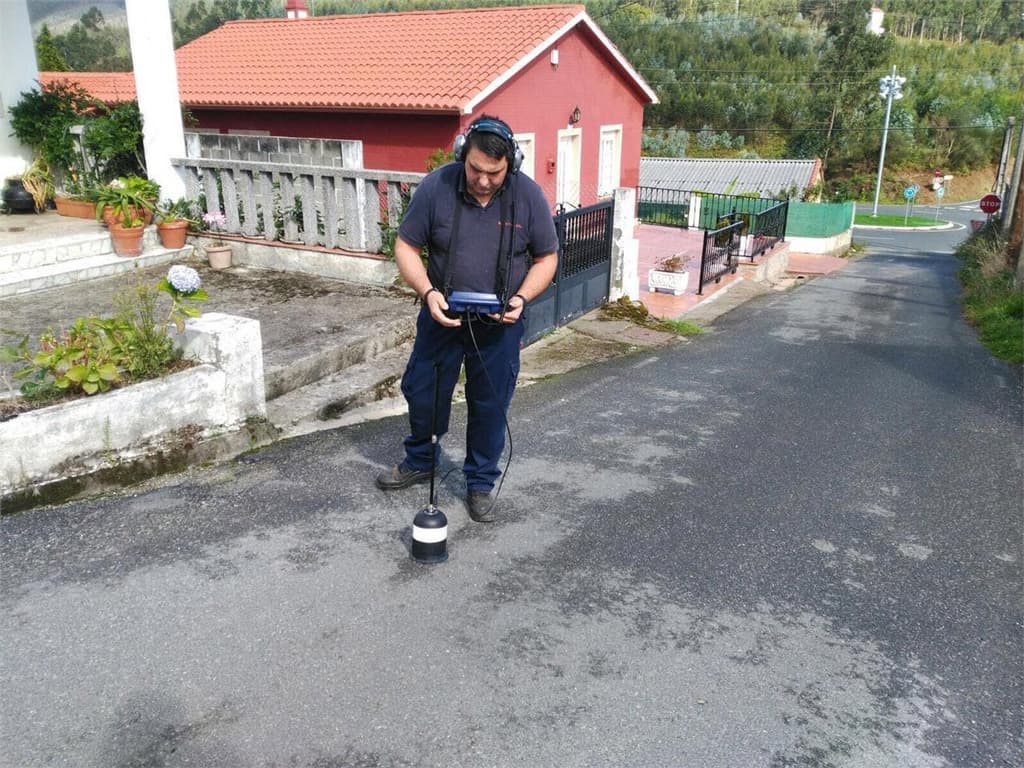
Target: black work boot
(481,506)
(401,477)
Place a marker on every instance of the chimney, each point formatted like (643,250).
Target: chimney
(295,9)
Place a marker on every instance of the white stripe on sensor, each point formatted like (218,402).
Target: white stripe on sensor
(429,535)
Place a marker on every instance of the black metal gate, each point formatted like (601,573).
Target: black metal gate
(584,270)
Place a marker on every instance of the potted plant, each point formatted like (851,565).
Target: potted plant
(218,252)
(39,183)
(127,227)
(76,198)
(125,204)
(173,221)
(669,276)
(126,191)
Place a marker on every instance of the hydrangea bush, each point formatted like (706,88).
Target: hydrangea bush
(183,285)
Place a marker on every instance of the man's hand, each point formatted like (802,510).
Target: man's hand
(513,309)
(437,304)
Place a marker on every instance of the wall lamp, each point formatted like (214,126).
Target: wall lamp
(575,116)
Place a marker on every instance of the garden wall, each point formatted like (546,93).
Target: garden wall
(84,436)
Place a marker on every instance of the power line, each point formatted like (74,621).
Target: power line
(812,129)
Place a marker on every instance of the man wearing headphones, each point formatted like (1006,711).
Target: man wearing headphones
(487,229)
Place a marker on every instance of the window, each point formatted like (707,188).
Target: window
(609,160)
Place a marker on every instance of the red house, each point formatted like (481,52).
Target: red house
(406,83)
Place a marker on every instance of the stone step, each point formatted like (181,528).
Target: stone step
(326,355)
(54,250)
(339,397)
(95,259)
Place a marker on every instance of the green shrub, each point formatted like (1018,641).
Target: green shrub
(97,353)
(990,300)
(42,118)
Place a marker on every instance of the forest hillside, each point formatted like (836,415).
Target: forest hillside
(735,78)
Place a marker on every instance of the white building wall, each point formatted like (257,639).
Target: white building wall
(18,73)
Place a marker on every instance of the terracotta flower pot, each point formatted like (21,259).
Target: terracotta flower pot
(78,209)
(139,213)
(172,233)
(127,240)
(219,256)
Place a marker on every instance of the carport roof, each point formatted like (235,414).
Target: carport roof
(729,177)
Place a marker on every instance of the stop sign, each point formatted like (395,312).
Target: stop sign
(990,203)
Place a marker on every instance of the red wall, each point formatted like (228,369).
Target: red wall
(391,142)
(540,99)
(537,100)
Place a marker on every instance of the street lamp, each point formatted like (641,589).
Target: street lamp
(889,89)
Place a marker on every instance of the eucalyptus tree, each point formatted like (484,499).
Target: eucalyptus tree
(844,84)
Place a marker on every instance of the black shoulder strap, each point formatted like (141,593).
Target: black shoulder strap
(503,272)
(453,241)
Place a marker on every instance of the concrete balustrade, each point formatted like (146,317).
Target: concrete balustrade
(310,205)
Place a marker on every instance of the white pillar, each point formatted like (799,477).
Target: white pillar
(18,73)
(156,83)
(625,277)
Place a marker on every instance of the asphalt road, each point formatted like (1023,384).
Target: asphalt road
(795,541)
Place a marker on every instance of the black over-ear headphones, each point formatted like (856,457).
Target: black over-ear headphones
(498,128)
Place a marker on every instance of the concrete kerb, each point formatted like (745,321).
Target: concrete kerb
(936,228)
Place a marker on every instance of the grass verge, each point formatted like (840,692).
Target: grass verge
(991,302)
(637,312)
(894,220)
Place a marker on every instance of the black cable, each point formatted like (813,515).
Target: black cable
(504,412)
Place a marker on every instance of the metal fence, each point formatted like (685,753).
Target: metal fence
(720,253)
(700,210)
(714,209)
(668,207)
(584,269)
(766,229)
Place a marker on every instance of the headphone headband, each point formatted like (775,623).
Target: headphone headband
(494,126)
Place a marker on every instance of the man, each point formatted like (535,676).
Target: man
(487,229)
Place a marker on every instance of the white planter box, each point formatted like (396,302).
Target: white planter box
(77,437)
(674,283)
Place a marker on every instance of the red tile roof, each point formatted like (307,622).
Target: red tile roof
(108,87)
(429,60)
(444,60)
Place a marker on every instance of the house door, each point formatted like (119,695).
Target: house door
(567,185)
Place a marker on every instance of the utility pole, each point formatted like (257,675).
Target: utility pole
(889,90)
(1000,183)
(1012,194)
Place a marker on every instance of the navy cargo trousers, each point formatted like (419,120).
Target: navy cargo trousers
(491,355)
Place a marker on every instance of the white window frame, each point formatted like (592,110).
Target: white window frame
(528,146)
(609,161)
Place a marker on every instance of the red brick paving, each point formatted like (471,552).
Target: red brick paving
(657,243)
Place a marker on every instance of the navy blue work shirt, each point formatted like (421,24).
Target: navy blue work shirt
(429,217)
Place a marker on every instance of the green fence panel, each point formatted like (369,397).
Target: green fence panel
(669,214)
(819,219)
(713,208)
